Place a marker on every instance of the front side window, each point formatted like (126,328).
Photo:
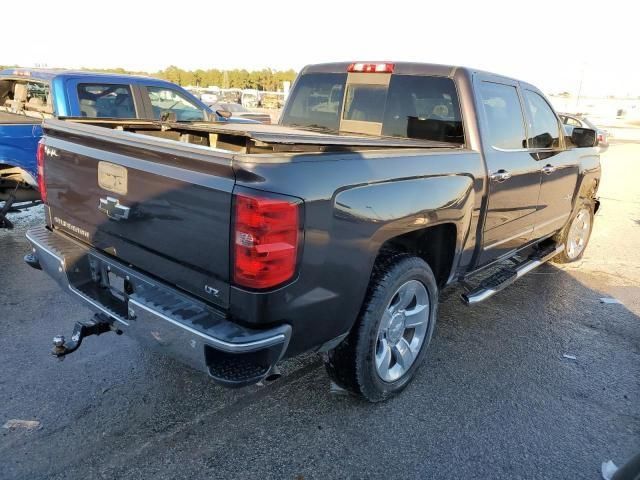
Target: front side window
(166,100)
(105,101)
(543,128)
(505,124)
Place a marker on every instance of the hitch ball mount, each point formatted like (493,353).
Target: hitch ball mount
(98,325)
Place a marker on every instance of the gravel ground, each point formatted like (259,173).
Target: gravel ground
(496,397)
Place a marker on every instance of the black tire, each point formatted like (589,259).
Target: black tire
(352,363)
(562,237)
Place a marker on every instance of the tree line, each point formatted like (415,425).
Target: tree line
(265,79)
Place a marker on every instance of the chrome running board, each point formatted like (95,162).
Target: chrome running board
(506,276)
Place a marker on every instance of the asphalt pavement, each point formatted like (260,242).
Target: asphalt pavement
(540,382)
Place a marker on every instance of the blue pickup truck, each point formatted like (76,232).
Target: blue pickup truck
(27,96)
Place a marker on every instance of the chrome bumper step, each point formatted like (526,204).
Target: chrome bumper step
(158,315)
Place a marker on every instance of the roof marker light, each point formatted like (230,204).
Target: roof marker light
(371,68)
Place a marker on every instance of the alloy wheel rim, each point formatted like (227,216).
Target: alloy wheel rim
(578,233)
(402,331)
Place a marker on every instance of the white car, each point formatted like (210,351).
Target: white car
(570,121)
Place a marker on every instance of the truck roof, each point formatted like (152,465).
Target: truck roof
(48,74)
(402,68)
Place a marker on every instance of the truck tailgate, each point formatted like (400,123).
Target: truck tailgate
(162,206)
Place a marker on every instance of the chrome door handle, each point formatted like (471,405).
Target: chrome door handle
(548,169)
(500,176)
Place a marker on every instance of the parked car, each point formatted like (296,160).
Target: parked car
(250,98)
(334,231)
(210,96)
(570,121)
(230,95)
(272,100)
(239,111)
(27,96)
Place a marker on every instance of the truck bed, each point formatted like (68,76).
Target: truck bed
(161,205)
(258,138)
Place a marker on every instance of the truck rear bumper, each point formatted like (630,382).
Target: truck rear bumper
(157,315)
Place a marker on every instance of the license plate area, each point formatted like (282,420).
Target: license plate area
(104,283)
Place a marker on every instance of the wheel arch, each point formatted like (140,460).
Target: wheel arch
(436,245)
(588,182)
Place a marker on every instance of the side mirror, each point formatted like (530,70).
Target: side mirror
(544,140)
(584,137)
(224,113)
(168,116)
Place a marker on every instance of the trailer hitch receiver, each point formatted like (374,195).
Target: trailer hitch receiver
(98,325)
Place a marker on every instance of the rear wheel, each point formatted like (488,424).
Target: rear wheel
(575,236)
(388,342)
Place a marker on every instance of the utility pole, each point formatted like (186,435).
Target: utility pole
(580,88)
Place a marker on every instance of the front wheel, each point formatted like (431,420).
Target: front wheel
(575,236)
(388,342)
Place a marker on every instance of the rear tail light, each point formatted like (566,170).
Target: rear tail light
(371,68)
(42,186)
(266,237)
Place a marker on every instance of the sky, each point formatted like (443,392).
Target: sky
(560,45)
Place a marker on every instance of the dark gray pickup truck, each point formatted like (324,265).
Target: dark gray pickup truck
(232,247)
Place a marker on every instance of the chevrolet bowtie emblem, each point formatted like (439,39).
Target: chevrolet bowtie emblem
(111,206)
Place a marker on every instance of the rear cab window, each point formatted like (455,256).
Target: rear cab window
(25,96)
(406,106)
(106,100)
(316,101)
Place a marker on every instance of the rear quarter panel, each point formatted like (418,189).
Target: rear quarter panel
(354,202)
(18,145)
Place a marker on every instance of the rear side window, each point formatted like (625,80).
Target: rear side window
(166,100)
(105,101)
(544,129)
(503,113)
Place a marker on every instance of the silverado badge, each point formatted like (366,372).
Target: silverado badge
(112,177)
